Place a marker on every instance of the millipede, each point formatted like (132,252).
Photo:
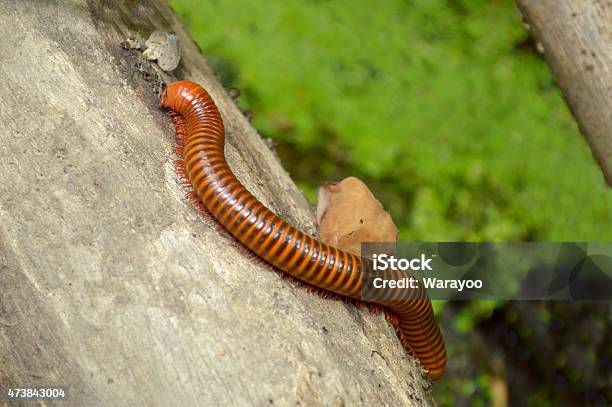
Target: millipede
(200,141)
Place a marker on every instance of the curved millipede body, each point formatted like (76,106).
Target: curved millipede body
(201,139)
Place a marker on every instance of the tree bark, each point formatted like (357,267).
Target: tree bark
(577,39)
(110,282)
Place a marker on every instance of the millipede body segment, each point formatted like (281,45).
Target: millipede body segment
(200,143)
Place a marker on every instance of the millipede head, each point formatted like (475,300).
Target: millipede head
(177,94)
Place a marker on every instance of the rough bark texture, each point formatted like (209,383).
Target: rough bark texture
(577,39)
(110,283)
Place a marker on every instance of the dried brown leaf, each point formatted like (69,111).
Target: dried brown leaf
(349,214)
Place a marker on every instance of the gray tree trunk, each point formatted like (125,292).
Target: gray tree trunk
(576,36)
(110,283)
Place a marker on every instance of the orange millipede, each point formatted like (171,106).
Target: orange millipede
(200,144)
